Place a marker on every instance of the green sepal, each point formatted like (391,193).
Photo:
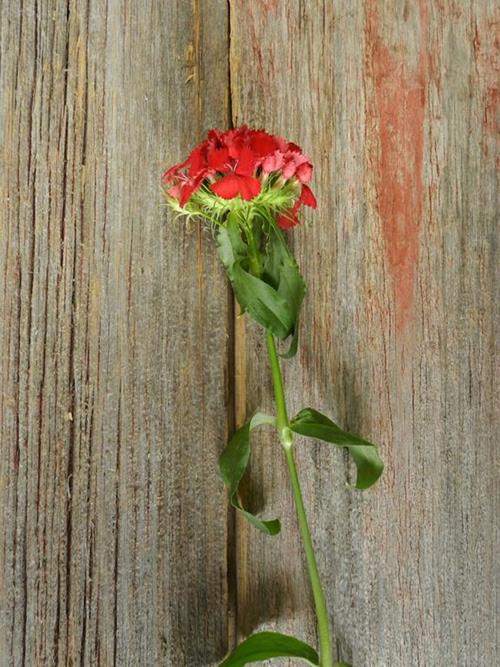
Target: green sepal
(265,645)
(232,465)
(313,424)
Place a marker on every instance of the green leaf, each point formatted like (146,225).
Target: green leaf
(260,300)
(264,645)
(292,287)
(311,423)
(232,248)
(282,271)
(274,299)
(276,252)
(232,464)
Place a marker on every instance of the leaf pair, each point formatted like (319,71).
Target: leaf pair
(234,459)
(273,299)
(264,645)
(369,465)
(232,464)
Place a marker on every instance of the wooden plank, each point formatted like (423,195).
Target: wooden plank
(395,103)
(115,338)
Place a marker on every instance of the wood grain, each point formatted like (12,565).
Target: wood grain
(115,325)
(393,101)
(122,365)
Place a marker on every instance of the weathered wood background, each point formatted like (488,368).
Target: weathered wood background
(124,369)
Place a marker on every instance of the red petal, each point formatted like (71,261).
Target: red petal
(217,159)
(263,143)
(289,167)
(246,162)
(170,173)
(175,191)
(197,160)
(191,186)
(214,138)
(186,192)
(173,171)
(249,187)
(304,172)
(287,220)
(236,140)
(281,143)
(272,162)
(307,197)
(228,187)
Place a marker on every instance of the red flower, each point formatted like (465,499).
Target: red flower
(218,158)
(236,163)
(240,179)
(273,162)
(289,219)
(296,164)
(263,143)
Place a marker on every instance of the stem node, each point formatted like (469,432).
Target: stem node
(286,437)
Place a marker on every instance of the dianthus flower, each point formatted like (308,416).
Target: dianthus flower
(244,165)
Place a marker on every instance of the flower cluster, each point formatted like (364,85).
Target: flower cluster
(251,165)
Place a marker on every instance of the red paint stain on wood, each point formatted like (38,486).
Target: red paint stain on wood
(491,109)
(400,102)
(269,5)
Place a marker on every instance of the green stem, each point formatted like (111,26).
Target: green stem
(279,394)
(286,437)
(286,440)
(318,594)
(254,255)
